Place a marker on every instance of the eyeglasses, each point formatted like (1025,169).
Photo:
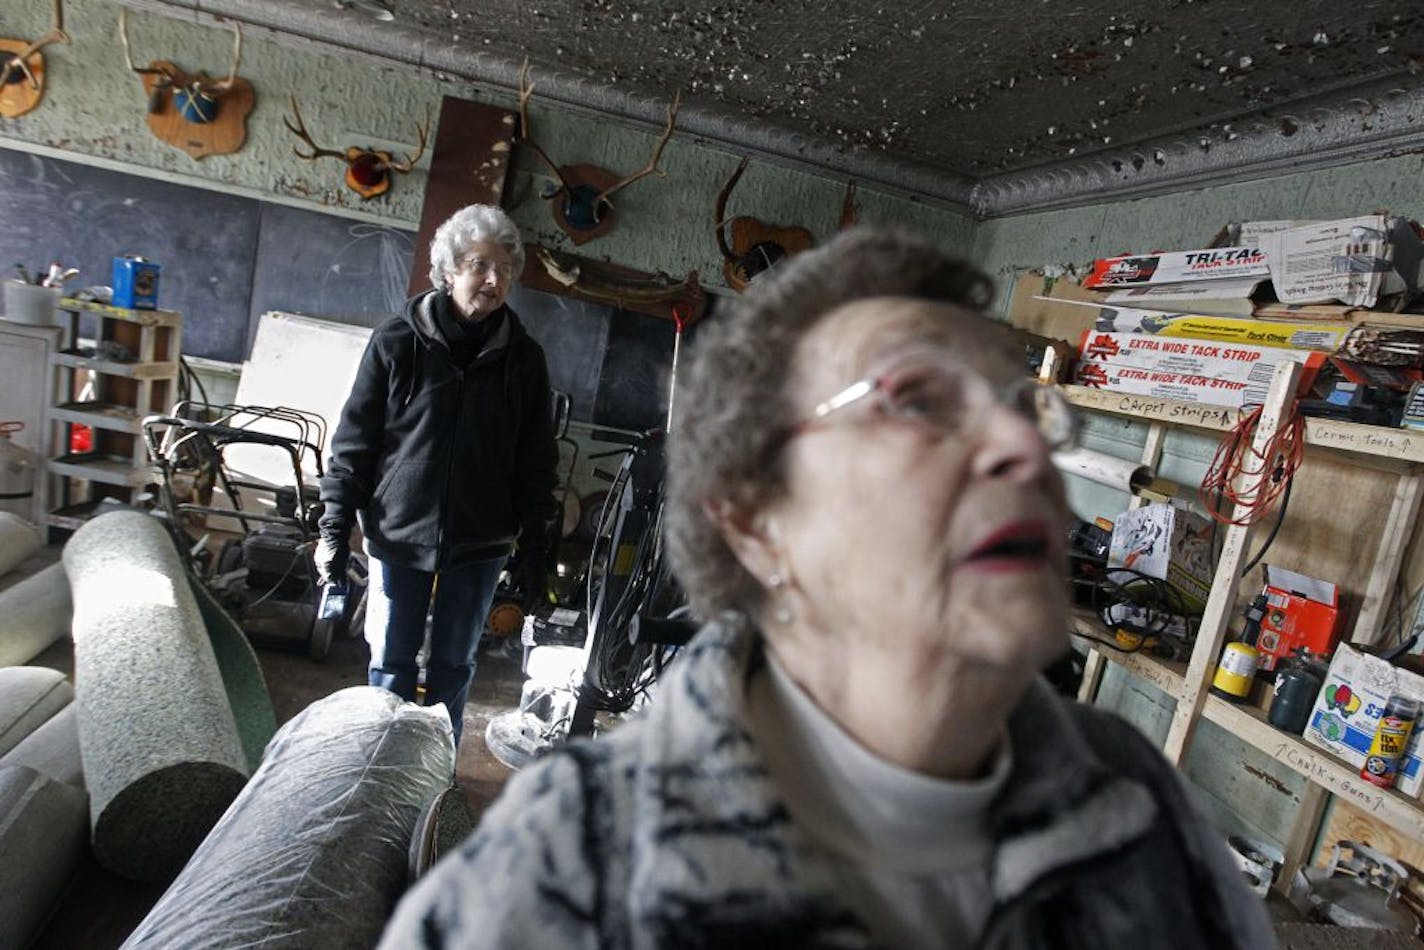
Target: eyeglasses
(941,394)
(481,268)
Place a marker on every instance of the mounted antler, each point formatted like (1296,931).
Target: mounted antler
(367,169)
(652,165)
(756,246)
(583,210)
(210,113)
(16,68)
(195,95)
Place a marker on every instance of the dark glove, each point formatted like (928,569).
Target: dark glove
(330,558)
(531,578)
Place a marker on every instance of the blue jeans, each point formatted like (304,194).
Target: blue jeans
(398,599)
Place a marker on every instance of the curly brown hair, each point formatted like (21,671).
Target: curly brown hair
(733,407)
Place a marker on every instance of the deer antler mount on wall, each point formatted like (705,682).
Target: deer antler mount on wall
(755,245)
(192,111)
(580,203)
(368,170)
(22,68)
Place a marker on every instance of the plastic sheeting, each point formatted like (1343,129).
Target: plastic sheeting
(34,613)
(18,540)
(43,825)
(313,853)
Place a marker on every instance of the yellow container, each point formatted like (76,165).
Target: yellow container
(1236,672)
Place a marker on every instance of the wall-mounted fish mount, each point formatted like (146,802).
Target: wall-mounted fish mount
(22,68)
(192,111)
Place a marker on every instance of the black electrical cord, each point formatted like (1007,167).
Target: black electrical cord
(1275,528)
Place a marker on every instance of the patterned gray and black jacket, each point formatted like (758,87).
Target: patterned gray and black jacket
(668,832)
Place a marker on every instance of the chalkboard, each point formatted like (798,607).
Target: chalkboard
(573,334)
(632,390)
(225,259)
(84,217)
(335,268)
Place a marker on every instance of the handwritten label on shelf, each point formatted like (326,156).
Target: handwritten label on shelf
(1372,440)
(1159,676)
(1335,778)
(1216,417)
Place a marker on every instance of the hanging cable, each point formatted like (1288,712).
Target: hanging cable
(1242,485)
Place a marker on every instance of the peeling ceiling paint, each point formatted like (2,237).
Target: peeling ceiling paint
(983,96)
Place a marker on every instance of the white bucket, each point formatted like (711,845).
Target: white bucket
(31,303)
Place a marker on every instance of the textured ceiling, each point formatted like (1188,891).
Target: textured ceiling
(955,99)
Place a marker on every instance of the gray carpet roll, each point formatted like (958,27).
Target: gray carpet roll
(29,695)
(33,614)
(313,852)
(53,749)
(18,540)
(42,829)
(241,674)
(161,751)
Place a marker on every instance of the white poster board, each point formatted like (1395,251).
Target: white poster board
(299,362)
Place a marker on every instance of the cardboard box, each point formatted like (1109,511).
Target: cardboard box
(1166,542)
(1301,612)
(1219,374)
(1350,705)
(1177,267)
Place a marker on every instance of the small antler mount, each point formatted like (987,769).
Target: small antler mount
(368,169)
(22,67)
(192,111)
(580,203)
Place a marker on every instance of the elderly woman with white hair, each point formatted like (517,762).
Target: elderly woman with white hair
(857,750)
(445,454)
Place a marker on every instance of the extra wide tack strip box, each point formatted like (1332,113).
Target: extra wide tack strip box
(1350,705)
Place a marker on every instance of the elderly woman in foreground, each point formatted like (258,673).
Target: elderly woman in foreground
(857,749)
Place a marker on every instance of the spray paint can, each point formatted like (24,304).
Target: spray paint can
(1382,761)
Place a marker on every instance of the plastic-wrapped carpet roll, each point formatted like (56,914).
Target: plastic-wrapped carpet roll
(313,852)
(33,614)
(52,750)
(29,696)
(43,824)
(18,540)
(161,751)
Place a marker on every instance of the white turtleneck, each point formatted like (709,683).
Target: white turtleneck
(909,851)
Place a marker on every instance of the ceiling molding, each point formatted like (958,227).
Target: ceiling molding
(1371,123)
(1368,123)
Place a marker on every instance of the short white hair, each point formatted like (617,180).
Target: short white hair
(470,225)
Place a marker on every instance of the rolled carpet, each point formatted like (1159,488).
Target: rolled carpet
(18,540)
(42,829)
(33,614)
(29,696)
(52,750)
(161,752)
(313,852)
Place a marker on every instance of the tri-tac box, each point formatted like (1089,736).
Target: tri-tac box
(135,283)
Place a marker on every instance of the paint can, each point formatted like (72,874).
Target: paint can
(1391,736)
(1236,672)
(135,283)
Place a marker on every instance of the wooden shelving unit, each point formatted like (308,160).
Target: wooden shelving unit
(130,372)
(1395,451)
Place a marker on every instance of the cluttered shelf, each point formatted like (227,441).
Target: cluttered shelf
(1321,767)
(165,369)
(100,415)
(150,318)
(1250,725)
(1372,442)
(1167,675)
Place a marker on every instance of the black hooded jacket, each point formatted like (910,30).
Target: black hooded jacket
(444,465)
